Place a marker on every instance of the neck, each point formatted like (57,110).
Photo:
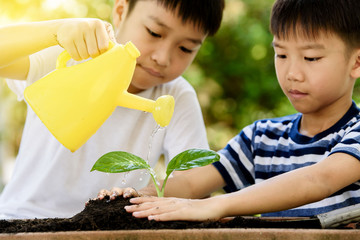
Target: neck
(315,123)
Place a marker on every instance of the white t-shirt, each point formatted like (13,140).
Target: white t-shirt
(50,181)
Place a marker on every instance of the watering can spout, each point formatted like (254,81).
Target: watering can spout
(73,102)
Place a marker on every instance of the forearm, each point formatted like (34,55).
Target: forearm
(149,190)
(195,183)
(175,187)
(286,191)
(21,40)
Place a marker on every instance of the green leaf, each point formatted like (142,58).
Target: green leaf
(117,162)
(190,159)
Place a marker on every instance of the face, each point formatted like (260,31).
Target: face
(167,45)
(316,75)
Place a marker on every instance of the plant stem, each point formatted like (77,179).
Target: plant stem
(161,194)
(155,183)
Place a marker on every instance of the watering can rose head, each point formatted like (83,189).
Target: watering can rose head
(117,162)
(164,109)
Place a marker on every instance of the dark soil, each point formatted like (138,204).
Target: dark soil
(110,215)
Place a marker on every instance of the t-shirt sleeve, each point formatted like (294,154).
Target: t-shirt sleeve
(236,164)
(350,143)
(41,63)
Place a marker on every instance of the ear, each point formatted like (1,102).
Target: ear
(355,72)
(119,11)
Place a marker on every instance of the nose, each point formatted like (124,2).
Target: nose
(162,56)
(294,72)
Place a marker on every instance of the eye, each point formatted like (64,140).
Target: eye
(281,56)
(153,33)
(185,50)
(314,59)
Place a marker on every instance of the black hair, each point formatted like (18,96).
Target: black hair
(206,15)
(312,17)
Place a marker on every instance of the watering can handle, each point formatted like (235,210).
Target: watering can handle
(64,57)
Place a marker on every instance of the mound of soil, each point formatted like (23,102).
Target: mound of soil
(110,215)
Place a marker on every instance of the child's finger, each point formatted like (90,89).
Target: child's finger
(103,193)
(145,206)
(130,192)
(110,31)
(91,44)
(102,37)
(73,52)
(114,192)
(152,209)
(82,49)
(139,200)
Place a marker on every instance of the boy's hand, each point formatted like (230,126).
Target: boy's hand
(84,37)
(174,209)
(114,192)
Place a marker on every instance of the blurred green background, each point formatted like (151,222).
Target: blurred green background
(233,73)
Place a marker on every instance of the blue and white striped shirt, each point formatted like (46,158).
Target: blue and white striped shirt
(270,147)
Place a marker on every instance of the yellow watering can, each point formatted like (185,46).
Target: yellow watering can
(73,102)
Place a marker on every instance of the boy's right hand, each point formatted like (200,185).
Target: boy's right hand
(114,192)
(84,37)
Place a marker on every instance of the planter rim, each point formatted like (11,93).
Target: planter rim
(195,234)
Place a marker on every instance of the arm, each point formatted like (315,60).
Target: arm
(289,190)
(82,38)
(194,183)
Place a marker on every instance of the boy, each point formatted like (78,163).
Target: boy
(49,180)
(298,165)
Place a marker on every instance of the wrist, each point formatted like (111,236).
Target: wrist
(218,206)
(147,191)
(53,27)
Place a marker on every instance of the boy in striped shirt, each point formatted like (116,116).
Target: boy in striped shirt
(299,165)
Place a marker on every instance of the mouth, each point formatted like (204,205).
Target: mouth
(297,94)
(152,71)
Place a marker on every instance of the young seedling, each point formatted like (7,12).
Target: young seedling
(117,162)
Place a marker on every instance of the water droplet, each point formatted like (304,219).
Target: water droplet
(123,182)
(151,140)
(140,179)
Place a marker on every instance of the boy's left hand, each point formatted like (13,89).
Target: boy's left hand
(172,209)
